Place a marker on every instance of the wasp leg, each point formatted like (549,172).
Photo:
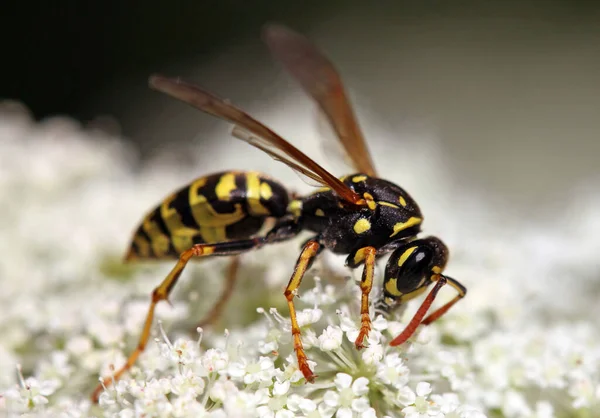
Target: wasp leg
(280,232)
(217,309)
(462,291)
(309,251)
(366,283)
(416,320)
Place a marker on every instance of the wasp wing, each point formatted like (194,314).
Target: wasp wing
(322,82)
(261,137)
(305,175)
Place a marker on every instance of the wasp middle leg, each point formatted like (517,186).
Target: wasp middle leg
(366,284)
(310,250)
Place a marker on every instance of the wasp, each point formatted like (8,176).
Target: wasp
(359,215)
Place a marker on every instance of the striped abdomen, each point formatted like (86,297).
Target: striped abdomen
(219,207)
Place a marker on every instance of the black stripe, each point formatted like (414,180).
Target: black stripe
(156,217)
(181,203)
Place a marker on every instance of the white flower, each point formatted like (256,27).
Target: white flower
(331,338)
(71,311)
(215,360)
(187,384)
(33,392)
(393,371)
(417,405)
(260,371)
(349,396)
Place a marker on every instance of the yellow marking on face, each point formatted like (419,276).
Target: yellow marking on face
(158,241)
(265,191)
(225,186)
(391,205)
(436,269)
(319,212)
(181,235)
(361,226)
(203,212)
(408,296)
(358,179)
(253,191)
(359,257)
(295,208)
(391,288)
(142,246)
(402,201)
(405,255)
(401,226)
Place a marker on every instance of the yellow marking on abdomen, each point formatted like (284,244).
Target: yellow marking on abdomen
(203,212)
(401,226)
(142,245)
(253,194)
(158,241)
(181,235)
(361,226)
(213,234)
(225,186)
(265,191)
(405,255)
(402,201)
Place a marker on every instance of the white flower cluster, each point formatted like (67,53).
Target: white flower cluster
(524,342)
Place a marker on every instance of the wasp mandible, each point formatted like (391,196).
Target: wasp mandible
(359,215)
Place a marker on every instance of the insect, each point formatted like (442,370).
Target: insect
(359,215)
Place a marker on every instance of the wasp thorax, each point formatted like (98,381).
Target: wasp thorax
(397,215)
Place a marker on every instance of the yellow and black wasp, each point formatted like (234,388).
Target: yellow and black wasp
(360,215)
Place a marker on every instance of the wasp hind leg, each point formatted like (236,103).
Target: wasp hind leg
(281,232)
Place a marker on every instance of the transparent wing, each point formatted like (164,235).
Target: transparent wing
(305,175)
(260,136)
(322,82)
